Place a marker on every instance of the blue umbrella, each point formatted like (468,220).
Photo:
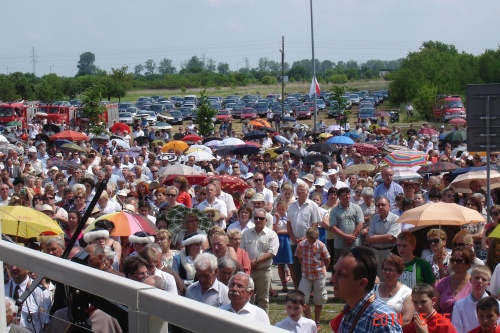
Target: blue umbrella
(2,128)
(245,150)
(282,139)
(340,140)
(351,135)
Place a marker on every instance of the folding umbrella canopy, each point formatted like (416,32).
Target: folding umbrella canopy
(406,158)
(26,222)
(313,158)
(199,147)
(294,152)
(325,135)
(321,148)
(245,149)
(257,123)
(119,142)
(437,167)
(212,143)
(333,128)
(366,149)
(176,144)
(230,184)
(282,139)
(73,147)
(192,137)
(428,131)
(231,142)
(69,135)
(461,183)
(172,171)
(351,135)
(340,140)
(120,127)
(357,168)
(383,130)
(440,213)
(126,224)
(200,156)
(253,135)
(455,137)
(458,121)
(400,175)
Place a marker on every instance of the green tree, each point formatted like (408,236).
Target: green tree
(337,96)
(95,112)
(86,64)
(150,67)
(138,69)
(24,84)
(71,87)
(122,82)
(194,65)
(50,89)
(205,116)
(165,67)
(223,68)
(8,91)
(268,79)
(210,66)
(424,99)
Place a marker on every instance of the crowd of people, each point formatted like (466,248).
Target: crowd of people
(317,222)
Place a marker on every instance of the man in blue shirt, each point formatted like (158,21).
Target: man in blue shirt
(388,188)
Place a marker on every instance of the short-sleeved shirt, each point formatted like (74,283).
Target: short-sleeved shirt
(346,219)
(216,295)
(312,259)
(387,226)
(389,192)
(417,271)
(258,244)
(302,217)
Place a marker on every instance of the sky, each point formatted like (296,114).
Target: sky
(121,32)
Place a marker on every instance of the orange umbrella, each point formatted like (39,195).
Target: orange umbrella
(176,144)
(259,123)
(69,135)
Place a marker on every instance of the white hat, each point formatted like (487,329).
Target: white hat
(59,155)
(46,208)
(216,213)
(194,238)
(129,207)
(319,182)
(122,193)
(94,234)
(141,237)
(32,150)
(248,175)
(308,177)
(258,197)
(442,126)
(54,168)
(332,172)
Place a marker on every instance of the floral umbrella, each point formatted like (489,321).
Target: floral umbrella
(366,149)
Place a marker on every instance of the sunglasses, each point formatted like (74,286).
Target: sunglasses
(170,195)
(435,240)
(258,218)
(79,197)
(248,198)
(494,213)
(258,180)
(381,205)
(457,261)
(459,244)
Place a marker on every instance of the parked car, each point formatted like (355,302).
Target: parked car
(335,110)
(157,108)
(125,117)
(261,107)
(366,113)
(149,115)
(223,116)
(230,106)
(124,106)
(354,99)
(177,100)
(178,119)
(187,113)
(237,110)
(133,110)
(248,113)
(320,103)
(303,112)
(76,102)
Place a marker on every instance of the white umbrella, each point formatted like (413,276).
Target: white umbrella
(199,156)
(333,128)
(213,143)
(119,142)
(3,139)
(202,147)
(462,182)
(179,170)
(401,175)
(231,142)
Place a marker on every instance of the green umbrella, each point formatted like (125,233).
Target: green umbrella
(14,123)
(456,136)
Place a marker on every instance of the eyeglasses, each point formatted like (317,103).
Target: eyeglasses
(79,197)
(248,198)
(211,215)
(435,240)
(459,244)
(457,260)
(389,270)
(258,180)
(358,192)
(259,218)
(38,199)
(170,195)
(494,213)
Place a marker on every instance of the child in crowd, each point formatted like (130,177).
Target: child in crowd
(426,319)
(463,318)
(487,313)
(314,259)
(295,303)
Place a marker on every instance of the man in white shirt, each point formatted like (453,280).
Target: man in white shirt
(241,289)
(333,175)
(213,202)
(258,179)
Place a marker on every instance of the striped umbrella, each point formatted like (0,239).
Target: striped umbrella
(406,158)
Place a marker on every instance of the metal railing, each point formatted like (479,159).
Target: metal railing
(149,309)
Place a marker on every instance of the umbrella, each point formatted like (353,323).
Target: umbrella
(175,216)
(391,148)
(102,137)
(313,158)
(460,148)
(301,126)
(2,128)
(325,135)
(3,139)
(130,153)
(357,168)
(272,152)
(73,147)
(231,142)
(120,127)
(59,143)
(26,222)
(192,137)
(406,158)
(332,128)
(198,148)
(126,224)
(200,156)
(428,131)
(211,138)
(5,147)
(282,139)
(69,135)
(321,148)
(381,114)
(458,121)
(161,126)
(174,145)
(268,129)
(366,149)
(158,142)
(225,150)
(119,142)
(255,144)
(141,140)
(294,152)
(172,171)
(351,135)
(253,135)
(259,123)
(462,182)
(437,167)
(230,184)
(440,213)
(383,130)
(14,123)
(51,127)
(213,143)
(287,118)
(245,149)
(456,136)
(340,140)
(401,175)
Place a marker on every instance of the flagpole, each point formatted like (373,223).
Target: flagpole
(314,68)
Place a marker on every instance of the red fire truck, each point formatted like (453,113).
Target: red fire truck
(12,112)
(56,114)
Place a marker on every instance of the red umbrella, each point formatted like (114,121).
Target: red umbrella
(229,183)
(458,121)
(192,137)
(437,167)
(253,144)
(366,149)
(192,179)
(120,127)
(69,135)
(383,130)
(428,131)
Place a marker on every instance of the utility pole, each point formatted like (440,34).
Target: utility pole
(33,56)
(282,76)
(314,69)
(7,68)
(51,68)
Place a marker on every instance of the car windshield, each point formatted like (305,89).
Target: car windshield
(175,113)
(261,105)
(124,105)
(49,110)
(223,112)
(453,104)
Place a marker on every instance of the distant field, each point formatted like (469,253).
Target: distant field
(295,87)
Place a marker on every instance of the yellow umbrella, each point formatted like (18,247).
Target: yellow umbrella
(26,222)
(440,213)
(272,153)
(176,144)
(325,135)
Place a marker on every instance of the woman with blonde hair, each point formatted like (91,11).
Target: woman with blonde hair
(440,257)
(182,184)
(164,239)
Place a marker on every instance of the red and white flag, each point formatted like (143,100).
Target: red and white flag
(314,87)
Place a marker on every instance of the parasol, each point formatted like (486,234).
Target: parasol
(69,135)
(440,213)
